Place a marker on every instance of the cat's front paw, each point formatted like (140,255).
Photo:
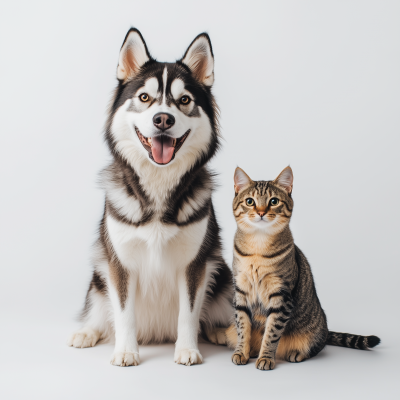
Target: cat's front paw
(265,364)
(188,357)
(239,359)
(125,359)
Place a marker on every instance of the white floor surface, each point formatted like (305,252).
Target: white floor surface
(42,366)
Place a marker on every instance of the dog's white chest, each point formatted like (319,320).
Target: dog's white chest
(156,245)
(154,233)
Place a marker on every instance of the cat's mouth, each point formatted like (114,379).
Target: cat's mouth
(162,148)
(262,220)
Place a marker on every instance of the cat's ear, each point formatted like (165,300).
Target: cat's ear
(133,55)
(285,179)
(241,180)
(200,59)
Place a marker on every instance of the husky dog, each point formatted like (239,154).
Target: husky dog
(158,270)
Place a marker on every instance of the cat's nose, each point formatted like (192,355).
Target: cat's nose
(261,213)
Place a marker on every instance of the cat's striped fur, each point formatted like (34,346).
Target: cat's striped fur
(278,313)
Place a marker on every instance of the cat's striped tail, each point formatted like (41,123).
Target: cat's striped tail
(352,341)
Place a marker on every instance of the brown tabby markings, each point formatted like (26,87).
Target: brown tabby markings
(266,278)
(278,313)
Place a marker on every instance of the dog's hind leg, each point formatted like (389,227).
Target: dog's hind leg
(217,311)
(217,315)
(216,335)
(96,325)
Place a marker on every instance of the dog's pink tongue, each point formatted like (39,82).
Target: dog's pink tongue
(162,149)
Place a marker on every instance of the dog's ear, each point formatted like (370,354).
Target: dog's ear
(200,59)
(241,179)
(133,55)
(285,179)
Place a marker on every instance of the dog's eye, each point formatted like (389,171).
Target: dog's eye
(144,97)
(274,201)
(250,201)
(185,100)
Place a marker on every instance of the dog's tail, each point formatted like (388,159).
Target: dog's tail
(352,341)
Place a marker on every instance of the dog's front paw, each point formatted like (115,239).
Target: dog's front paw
(125,359)
(265,364)
(84,338)
(188,356)
(239,359)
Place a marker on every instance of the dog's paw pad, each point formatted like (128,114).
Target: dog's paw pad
(239,359)
(84,338)
(188,357)
(125,359)
(265,364)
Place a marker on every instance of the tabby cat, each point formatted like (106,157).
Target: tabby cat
(278,313)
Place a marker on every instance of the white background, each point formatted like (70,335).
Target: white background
(313,84)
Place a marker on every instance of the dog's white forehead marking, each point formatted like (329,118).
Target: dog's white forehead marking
(177,88)
(150,87)
(164,78)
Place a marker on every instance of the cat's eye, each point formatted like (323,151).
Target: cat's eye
(185,100)
(274,201)
(144,97)
(250,201)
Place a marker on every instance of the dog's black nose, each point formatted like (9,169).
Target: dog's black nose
(163,121)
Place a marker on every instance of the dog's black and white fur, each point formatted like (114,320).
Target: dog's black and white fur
(158,270)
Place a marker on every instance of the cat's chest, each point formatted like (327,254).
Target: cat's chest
(256,276)
(256,269)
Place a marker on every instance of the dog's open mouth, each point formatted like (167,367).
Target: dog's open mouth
(162,149)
